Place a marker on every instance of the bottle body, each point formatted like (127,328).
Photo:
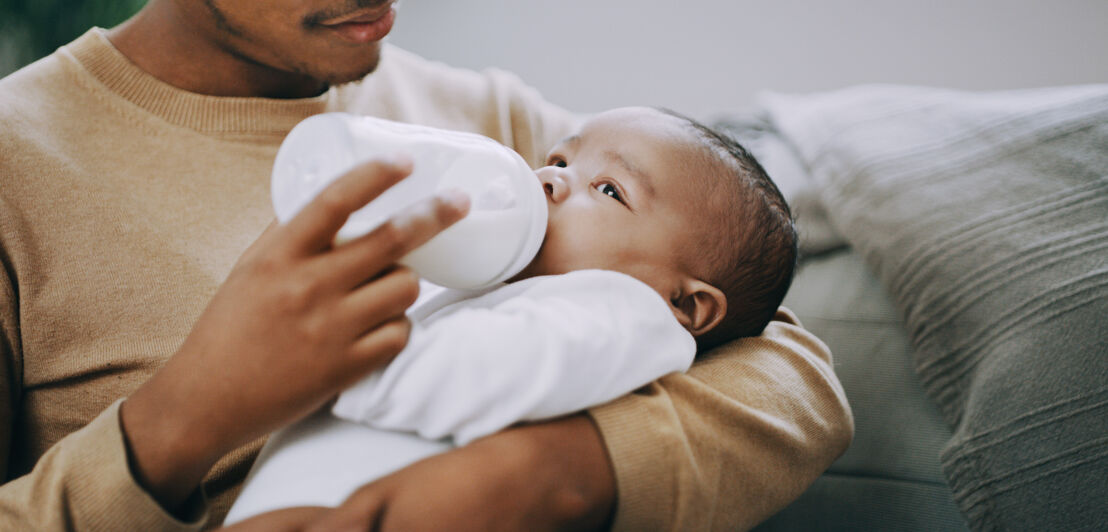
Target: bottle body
(508,211)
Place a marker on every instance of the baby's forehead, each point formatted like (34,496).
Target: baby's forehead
(635,120)
(640,133)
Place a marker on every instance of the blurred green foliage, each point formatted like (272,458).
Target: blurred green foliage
(30,29)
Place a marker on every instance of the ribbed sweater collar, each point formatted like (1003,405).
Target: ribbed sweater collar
(207,114)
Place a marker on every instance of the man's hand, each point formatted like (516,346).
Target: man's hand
(296,321)
(543,477)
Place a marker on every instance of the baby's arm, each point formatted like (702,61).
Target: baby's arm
(565,343)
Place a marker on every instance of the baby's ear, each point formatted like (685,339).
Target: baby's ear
(699,306)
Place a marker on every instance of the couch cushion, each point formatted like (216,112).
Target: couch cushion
(985,216)
(852,503)
(889,478)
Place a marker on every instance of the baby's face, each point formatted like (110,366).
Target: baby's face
(620,198)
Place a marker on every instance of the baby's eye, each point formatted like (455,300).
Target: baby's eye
(609,189)
(556,161)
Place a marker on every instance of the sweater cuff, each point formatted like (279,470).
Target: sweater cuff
(105,491)
(643,460)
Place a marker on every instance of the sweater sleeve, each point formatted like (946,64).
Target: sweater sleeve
(562,344)
(731,442)
(10,359)
(83,482)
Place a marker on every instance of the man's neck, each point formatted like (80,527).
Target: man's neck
(161,41)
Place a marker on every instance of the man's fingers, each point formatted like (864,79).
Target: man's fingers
(379,346)
(361,512)
(385,298)
(371,351)
(364,258)
(283,520)
(314,228)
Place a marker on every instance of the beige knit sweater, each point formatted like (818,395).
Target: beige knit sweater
(124,203)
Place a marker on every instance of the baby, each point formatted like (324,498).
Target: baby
(663,237)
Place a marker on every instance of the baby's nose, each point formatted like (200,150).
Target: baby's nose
(553,183)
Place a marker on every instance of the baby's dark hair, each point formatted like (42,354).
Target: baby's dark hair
(751,254)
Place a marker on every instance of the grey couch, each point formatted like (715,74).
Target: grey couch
(890,478)
(955,259)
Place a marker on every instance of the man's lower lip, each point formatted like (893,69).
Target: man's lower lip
(365,32)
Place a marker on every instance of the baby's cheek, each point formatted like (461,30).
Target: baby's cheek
(556,256)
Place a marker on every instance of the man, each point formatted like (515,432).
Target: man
(135,169)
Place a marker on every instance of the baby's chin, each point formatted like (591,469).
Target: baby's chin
(538,266)
(526,273)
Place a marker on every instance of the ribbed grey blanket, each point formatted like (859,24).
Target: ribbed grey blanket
(985,215)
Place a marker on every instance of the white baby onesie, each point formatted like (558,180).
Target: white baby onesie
(476,362)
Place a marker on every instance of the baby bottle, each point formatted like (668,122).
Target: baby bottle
(507,218)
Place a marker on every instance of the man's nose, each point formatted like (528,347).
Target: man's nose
(554,183)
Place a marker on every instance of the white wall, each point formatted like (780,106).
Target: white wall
(707,56)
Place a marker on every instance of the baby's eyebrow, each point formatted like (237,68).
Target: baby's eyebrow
(571,140)
(641,176)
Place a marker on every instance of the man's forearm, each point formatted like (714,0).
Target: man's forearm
(171,456)
(548,477)
(569,455)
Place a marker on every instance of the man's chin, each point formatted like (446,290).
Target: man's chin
(342,77)
(337,80)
